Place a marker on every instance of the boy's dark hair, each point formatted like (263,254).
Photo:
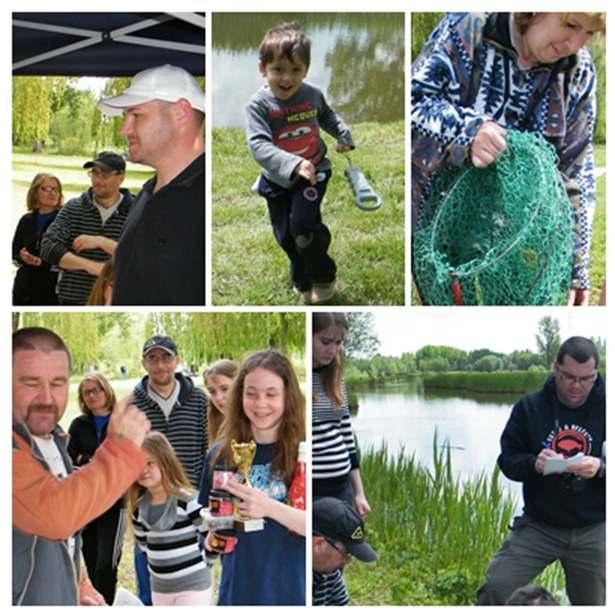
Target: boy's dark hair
(531,595)
(285,40)
(578,348)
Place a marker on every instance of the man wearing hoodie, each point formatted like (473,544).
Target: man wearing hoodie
(564,510)
(176,408)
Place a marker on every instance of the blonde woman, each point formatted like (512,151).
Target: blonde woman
(35,281)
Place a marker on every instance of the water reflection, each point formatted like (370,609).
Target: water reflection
(405,417)
(357,60)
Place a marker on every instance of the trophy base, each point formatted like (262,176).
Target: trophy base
(216,522)
(249,525)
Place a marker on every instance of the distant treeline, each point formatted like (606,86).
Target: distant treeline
(494,382)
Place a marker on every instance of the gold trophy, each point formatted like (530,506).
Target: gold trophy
(243,456)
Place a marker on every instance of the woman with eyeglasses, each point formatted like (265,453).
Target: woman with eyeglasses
(35,281)
(102,538)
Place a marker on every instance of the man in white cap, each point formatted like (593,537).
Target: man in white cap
(160,259)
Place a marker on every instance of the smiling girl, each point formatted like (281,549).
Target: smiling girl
(266,567)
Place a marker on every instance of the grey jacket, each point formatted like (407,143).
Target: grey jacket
(44,572)
(282,133)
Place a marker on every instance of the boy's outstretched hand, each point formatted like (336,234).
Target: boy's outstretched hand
(342,148)
(306,170)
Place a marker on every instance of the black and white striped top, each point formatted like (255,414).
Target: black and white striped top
(80,217)
(329,589)
(171,542)
(333,449)
(186,427)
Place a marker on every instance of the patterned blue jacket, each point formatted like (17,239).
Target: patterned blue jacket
(467,73)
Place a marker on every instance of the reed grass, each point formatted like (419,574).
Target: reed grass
(434,532)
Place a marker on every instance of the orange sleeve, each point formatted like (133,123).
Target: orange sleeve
(56,509)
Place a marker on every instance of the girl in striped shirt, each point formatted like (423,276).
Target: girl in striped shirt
(166,519)
(335,461)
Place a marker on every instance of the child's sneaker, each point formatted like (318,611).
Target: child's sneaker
(304,294)
(322,292)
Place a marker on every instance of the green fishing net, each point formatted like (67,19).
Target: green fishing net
(502,235)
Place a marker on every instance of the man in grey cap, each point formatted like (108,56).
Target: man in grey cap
(176,408)
(337,535)
(160,259)
(85,232)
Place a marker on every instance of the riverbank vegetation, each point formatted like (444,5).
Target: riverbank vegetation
(434,532)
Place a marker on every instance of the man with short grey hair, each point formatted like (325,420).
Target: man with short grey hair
(51,503)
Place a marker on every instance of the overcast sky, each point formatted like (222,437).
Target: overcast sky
(500,329)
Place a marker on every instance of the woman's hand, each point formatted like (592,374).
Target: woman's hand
(362,506)
(29,259)
(488,144)
(251,502)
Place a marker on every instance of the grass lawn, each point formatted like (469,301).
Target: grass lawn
(249,268)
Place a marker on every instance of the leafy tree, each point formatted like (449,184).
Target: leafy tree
(548,339)
(454,357)
(78,330)
(361,340)
(488,363)
(206,337)
(437,364)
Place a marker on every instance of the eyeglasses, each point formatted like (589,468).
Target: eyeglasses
(89,392)
(343,552)
(571,379)
(102,174)
(163,358)
(49,189)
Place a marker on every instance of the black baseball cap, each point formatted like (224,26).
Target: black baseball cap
(160,341)
(333,518)
(109,161)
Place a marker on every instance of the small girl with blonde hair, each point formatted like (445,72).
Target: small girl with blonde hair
(166,520)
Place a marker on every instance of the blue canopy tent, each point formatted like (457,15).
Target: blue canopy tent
(106,44)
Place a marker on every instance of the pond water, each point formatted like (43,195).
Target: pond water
(357,60)
(405,416)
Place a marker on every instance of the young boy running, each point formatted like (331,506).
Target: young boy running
(284,118)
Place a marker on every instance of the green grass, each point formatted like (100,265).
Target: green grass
(248,266)
(434,533)
(597,265)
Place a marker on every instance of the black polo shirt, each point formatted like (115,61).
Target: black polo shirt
(160,257)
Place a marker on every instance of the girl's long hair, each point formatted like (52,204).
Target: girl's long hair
(104,384)
(223,367)
(291,430)
(104,279)
(173,478)
(331,375)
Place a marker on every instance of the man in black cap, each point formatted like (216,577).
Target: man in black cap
(86,230)
(178,409)
(337,535)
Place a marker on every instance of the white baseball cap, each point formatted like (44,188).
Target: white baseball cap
(168,83)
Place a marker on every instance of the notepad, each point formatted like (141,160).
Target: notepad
(555,465)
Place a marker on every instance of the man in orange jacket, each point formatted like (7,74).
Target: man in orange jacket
(50,502)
